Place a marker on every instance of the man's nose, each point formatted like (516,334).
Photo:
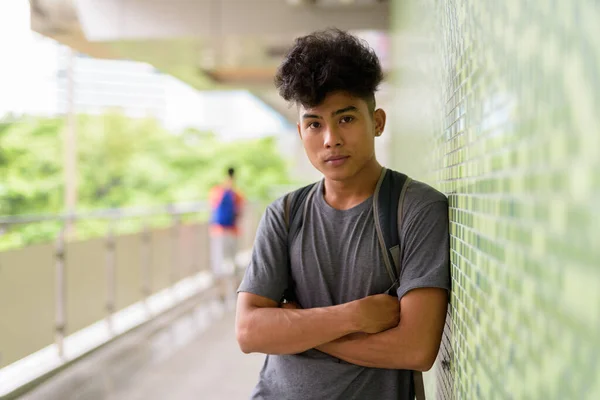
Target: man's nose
(332,138)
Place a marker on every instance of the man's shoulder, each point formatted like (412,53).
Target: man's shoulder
(277,207)
(300,189)
(420,193)
(417,191)
(275,210)
(293,193)
(421,196)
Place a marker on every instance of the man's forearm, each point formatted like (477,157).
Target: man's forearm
(413,344)
(381,350)
(291,331)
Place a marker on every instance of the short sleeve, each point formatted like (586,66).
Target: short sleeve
(426,249)
(267,274)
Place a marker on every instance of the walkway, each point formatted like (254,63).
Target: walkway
(192,356)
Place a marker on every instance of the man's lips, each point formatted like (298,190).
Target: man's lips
(335,158)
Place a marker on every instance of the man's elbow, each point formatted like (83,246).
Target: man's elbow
(425,364)
(243,342)
(246,342)
(243,335)
(425,359)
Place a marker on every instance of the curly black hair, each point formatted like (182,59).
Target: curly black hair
(328,61)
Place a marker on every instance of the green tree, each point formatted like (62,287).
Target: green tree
(123,162)
(30,166)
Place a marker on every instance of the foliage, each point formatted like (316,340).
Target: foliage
(122,162)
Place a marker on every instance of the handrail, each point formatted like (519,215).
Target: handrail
(161,261)
(108,213)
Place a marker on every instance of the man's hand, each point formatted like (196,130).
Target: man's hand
(378,313)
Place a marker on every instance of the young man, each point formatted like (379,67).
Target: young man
(226,204)
(343,337)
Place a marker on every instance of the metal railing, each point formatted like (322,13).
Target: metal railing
(51,290)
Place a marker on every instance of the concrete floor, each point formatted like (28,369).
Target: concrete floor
(194,356)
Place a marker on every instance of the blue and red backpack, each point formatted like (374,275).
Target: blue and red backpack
(224,213)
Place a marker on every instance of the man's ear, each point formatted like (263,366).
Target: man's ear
(299,130)
(379,119)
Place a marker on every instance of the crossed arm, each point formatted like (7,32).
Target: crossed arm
(262,326)
(413,344)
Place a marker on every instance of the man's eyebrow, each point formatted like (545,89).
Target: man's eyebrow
(333,114)
(343,110)
(305,116)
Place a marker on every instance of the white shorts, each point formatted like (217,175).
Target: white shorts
(223,250)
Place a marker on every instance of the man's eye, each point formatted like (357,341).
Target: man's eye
(347,119)
(314,125)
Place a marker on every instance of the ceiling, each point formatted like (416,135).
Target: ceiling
(210,44)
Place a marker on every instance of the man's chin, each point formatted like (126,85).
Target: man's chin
(339,175)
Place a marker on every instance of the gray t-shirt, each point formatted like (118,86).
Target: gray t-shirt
(335,259)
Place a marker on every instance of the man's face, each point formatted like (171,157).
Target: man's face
(339,134)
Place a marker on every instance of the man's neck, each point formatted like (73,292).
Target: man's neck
(346,194)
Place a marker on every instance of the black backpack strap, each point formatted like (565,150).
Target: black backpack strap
(397,254)
(294,206)
(292,203)
(390,193)
(386,205)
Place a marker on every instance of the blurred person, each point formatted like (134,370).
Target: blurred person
(316,297)
(226,203)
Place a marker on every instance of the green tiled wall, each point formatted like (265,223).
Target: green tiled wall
(498,105)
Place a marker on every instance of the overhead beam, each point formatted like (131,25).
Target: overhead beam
(110,20)
(247,76)
(301,2)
